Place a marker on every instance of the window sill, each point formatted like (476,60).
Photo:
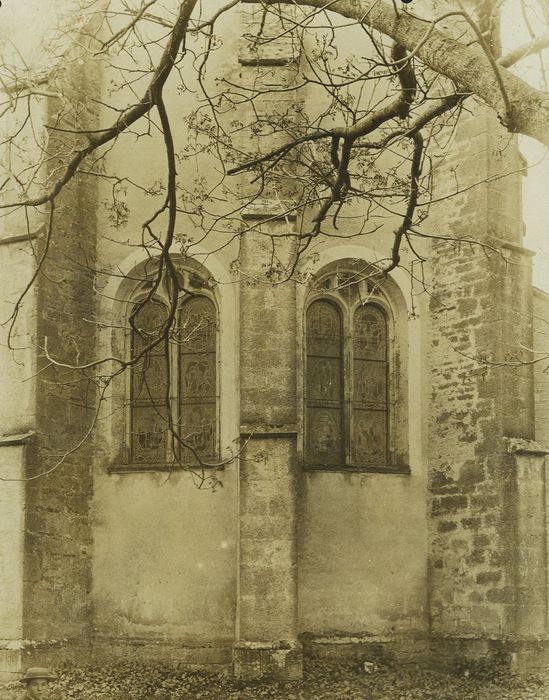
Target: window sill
(143,468)
(401,470)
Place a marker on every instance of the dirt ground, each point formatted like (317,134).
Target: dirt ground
(322,681)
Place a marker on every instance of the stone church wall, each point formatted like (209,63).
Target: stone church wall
(109,561)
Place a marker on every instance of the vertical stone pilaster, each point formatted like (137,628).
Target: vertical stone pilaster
(269,60)
(267,605)
(267,641)
(529,463)
(515,299)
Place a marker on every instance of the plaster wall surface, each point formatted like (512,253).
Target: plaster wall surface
(164,557)
(363,554)
(12,540)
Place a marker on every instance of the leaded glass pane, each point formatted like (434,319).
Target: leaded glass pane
(324,436)
(148,434)
(324,389)
(370,333)
(369,388)
(149,375)
(197,378)
(370,383)
(198,375)
(149,386)
(197,325)
(198,429)
(369,437)
(323,329)
(150,378)
(149,320)
(323,378)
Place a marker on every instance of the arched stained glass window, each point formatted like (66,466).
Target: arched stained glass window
(324,385)
(174,380)
(197,369)
(149,385)
(346,387)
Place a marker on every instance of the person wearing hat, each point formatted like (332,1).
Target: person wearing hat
(37,681)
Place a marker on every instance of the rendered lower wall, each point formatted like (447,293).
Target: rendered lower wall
(362,563)
(164,560)
(12,523)
(12,541)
